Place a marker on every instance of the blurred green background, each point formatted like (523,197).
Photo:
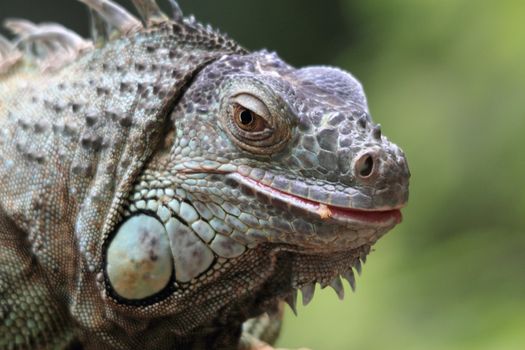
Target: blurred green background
(446,79)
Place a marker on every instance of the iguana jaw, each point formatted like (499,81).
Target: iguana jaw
(376,217)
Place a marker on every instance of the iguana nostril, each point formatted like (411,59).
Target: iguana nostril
(376,132)
(364,166)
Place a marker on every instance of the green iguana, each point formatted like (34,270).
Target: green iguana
(164,188)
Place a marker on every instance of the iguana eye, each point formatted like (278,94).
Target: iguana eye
(251,125)
(248,120)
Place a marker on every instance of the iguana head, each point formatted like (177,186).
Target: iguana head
(264,154)
(295,150)
(270,178)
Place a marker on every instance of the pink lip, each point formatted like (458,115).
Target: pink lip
(377,217)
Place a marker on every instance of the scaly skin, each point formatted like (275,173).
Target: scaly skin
(169,189)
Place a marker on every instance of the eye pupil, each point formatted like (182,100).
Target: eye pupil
(246,117)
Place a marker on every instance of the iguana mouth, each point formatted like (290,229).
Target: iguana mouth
(364,217)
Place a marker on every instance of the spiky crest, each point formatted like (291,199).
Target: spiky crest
(150,11)
(53,46)
(177,14)
(114,16)
(9,55)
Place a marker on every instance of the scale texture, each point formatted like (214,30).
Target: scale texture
(162,187)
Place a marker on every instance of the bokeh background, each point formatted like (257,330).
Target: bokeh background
(446,79)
